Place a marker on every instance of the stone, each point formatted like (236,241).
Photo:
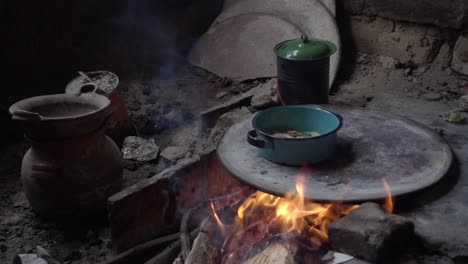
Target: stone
(227,120)
(265,95)
(20,200)
(439,13)
(405,42)
(370,233)
(387,62)
(29,259)
(174,153)
(208,118)
(454,116)
(408,72)
(460,56)
(220,95)
(445,55)
(464,102)
(140,149)
(432,96)
(12,219)
(434,260)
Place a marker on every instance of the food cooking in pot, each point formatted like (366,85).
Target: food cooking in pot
(295,134)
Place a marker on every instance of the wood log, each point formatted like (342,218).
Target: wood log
(281,252)
(168,255)
(185,235)
(204,251)
(143,251)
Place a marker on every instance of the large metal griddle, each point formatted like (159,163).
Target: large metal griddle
(371,146)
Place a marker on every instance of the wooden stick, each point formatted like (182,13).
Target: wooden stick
(171,252)
(184,234)
(137,254)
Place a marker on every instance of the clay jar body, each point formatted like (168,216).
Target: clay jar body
(72,166)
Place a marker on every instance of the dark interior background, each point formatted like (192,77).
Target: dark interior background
(44,43)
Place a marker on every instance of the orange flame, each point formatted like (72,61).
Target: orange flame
(218,220)
(293,213)
(389,202)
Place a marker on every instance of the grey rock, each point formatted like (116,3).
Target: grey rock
(12,219)
(265,95)
(140,149)
(174,153)
(220,95)
(29,259)
(464,102)
(460,55)
(370,233)
(408,72)
(444,56)
(20,200)
(387,62)
(432,96)
(434,259)
(227,120)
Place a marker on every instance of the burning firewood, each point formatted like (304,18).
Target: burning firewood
(204,251)
(282,252)
(184,234)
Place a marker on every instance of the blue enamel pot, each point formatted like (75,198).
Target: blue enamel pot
(300,150)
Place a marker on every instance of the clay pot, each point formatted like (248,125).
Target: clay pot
(72,167)
(119,125)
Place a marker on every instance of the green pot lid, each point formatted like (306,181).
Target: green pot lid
(305,49)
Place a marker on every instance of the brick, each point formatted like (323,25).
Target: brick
(153,206)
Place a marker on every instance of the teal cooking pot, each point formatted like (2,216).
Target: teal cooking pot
(275,144)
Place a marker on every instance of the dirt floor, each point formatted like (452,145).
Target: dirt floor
(168,110)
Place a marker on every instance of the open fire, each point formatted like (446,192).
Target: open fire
(263,216)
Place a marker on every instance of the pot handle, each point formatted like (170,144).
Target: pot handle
(253,140)
(19,114)
(94,91)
